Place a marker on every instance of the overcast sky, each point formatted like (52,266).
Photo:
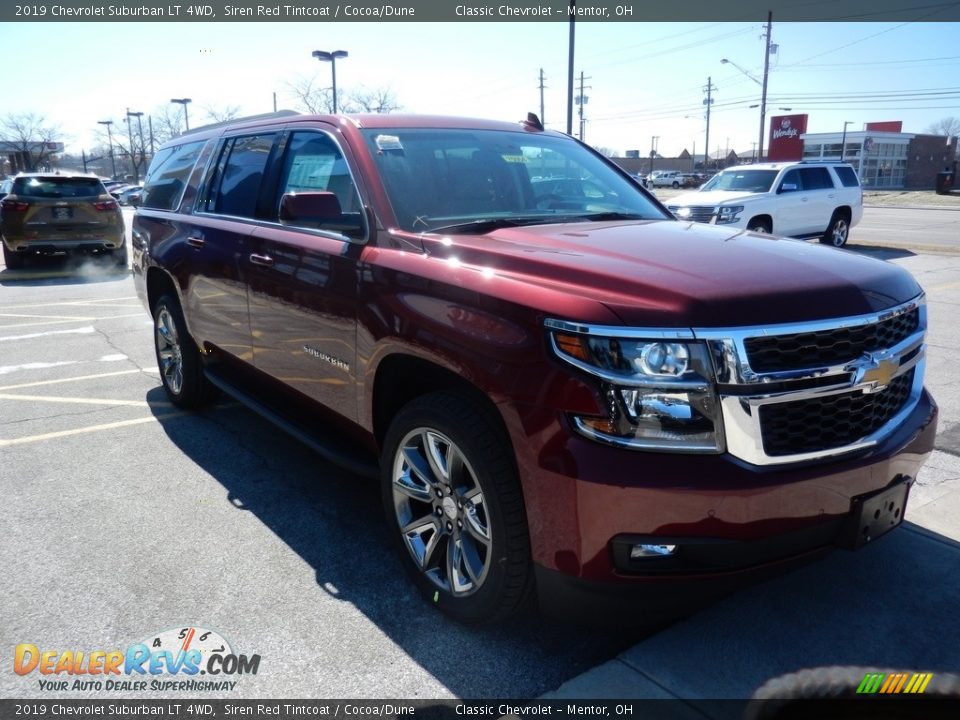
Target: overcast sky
(645,79)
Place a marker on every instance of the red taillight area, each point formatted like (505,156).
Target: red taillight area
(14,206)
(105,205)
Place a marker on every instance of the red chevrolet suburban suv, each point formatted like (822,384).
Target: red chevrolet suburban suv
(561,388)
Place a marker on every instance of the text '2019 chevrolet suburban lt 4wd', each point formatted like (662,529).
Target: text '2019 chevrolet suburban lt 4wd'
(572,393)
(798,199)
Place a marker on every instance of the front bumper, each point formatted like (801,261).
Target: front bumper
(728,518)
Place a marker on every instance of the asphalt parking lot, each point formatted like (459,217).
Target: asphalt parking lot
(125,518)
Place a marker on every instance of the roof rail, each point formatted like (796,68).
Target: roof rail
(250,118)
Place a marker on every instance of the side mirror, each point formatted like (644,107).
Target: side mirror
(315,207)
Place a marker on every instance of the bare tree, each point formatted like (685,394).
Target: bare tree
(376,100)
(311,96)
(167,123)
(317,99)
(949,126)
(30,135)
(224,114)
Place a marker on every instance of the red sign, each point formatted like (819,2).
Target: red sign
(785,132)
(888,126)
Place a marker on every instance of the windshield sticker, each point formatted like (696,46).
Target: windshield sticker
(514,158)
(388,142)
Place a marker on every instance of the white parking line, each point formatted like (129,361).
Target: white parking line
(71,303)
(79,378)
(82,401)
(89,429)
(77,331)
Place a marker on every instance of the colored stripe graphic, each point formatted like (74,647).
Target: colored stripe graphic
(895,683)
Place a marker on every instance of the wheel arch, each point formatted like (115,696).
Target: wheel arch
(762,217)
(401,378)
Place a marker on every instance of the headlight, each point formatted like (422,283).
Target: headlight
(729,214)
(658,393)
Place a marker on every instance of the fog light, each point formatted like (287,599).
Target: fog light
(647,551)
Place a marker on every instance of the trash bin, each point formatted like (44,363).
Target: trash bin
(944,182)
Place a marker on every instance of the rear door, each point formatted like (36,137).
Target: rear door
(821,198)
(305,274)
(218,240)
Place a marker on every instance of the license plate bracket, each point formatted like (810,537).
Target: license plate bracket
(62,213)
(876,514)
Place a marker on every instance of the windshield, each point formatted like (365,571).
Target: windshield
(446,179)
(744,180)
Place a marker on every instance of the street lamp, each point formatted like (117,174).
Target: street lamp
(137,115)
(184,102)
(331,57)
(113,161)
(843,142)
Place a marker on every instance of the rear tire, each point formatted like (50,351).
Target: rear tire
(838,231)
(178,357)
(11,258)
(454,505)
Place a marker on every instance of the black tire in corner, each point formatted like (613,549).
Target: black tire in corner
(12,259)
(181,369)
(838,231)
(454,505)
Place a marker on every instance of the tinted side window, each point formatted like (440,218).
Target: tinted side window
(816,178)
(791,182)
(236,184)
(847,176)
(314,163)
(167,177)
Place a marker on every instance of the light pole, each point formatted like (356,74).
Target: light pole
(331,57)
(653,150)
(761,83)
(113,162)
(184,102)
(136,167)
(843,142)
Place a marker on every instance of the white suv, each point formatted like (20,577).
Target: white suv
(796,199)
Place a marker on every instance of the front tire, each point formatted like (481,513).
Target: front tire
(838,231)
(760,226)
(178,357)
(453,503)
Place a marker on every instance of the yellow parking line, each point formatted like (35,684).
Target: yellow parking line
(89,429)
(82,401)
(66,380)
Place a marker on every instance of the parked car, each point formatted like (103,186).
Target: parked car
(797,199)
(131,195)
(47,213)
(580,397)
(669,178)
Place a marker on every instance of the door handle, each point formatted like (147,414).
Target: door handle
(262,260)
(196,242)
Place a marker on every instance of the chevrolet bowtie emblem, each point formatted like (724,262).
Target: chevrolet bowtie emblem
(874,372)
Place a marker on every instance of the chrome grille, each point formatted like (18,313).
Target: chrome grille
(698,213)
(828,347)
(834,421)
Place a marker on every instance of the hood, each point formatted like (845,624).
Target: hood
(679,274)
(711,197)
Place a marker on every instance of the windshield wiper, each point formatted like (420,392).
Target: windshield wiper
(603,216)
(485,225)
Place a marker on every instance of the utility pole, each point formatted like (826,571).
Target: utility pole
(763,95)
(653,150)
(581,101)
(542,87)
(573,28)
(710,87)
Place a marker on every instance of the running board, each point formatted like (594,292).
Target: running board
(355,462)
